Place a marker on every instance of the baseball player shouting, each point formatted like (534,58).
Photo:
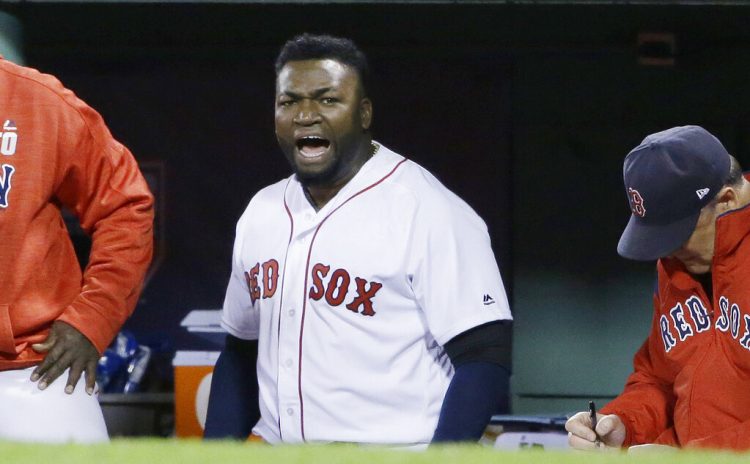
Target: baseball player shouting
(372,291)
(690,383)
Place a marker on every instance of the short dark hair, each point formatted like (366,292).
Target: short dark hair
(735,173)
(733,179)
(319,47)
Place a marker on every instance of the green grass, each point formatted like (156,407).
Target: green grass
(156,451)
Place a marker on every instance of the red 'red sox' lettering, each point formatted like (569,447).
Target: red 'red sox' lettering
(318,272)
(270,277)
(364,297)
(338,286)
(334,290)
(251,277)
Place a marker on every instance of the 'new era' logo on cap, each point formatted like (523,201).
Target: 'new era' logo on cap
(702,192)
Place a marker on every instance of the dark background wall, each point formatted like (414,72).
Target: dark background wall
(526,111)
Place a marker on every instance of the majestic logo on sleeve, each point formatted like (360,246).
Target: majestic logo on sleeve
(636,202)
(685,320)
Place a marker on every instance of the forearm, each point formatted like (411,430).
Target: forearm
(117,211)
(477,391)
(479,387)
(233,403)
(645,407)
(111,286)
(646,404)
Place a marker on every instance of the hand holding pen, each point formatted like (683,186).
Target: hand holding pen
(592,417)
(589,430)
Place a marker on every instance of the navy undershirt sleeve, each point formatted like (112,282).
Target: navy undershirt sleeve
(478,390)
(233,403)
(480,384)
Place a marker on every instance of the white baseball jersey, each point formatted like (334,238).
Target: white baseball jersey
(352,304)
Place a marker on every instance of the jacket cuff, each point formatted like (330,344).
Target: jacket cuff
(98,328)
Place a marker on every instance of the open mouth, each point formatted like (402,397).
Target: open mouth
(312,146)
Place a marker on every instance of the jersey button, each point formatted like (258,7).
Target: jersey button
(291,313)
(289,363)
(290,411)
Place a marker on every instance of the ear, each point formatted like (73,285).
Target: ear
(728,199)
(365,113)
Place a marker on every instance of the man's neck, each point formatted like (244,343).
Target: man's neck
(320,195)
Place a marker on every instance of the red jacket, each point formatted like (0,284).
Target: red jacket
(691,379)
(56,151)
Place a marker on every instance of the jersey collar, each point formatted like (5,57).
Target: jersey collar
(377,167)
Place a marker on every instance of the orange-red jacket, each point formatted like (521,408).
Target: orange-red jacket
(691,379)
(56,151)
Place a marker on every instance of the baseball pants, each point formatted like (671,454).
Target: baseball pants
(50,415)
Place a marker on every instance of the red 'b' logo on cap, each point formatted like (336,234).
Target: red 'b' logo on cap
(636,202)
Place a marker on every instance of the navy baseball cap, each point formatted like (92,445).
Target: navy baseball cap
(669,178)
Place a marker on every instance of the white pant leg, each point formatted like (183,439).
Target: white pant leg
(50,416)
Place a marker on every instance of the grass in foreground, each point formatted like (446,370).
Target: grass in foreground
(166,451)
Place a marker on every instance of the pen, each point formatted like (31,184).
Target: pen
(592,415)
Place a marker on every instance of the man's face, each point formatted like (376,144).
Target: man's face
(698,252)
(321,118)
